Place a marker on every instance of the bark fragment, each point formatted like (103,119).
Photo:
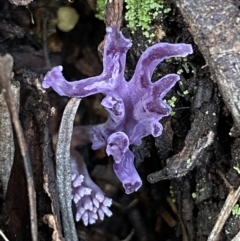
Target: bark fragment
(215,26)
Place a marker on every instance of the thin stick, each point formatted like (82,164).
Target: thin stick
(3,236)
(6,63)
(231,200)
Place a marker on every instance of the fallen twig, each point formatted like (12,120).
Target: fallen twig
(6,64)
(175,210)
(3,236)
(129,237)
(180,164)
(231,200)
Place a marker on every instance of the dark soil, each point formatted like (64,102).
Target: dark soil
(187,193)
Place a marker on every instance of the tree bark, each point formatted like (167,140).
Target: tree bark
(215,27)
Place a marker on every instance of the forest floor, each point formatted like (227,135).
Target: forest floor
(188,172)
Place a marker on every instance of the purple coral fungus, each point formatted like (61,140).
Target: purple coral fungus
(89,199)
(134,107)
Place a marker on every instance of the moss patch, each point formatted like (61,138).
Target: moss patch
(141,13)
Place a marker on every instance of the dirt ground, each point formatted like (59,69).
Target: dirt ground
(191,173)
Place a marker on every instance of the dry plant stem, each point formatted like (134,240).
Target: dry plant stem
(226,182)
(113,14)
(64,169)
(231,200)
(167,217)
(129,237)
(6,64)
(175,210)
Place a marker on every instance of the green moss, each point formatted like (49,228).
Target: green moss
(189,161)
(173,113)
(172,101)
(194,195)
(100,9)
(180,71)
(140,13)
(236,210)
